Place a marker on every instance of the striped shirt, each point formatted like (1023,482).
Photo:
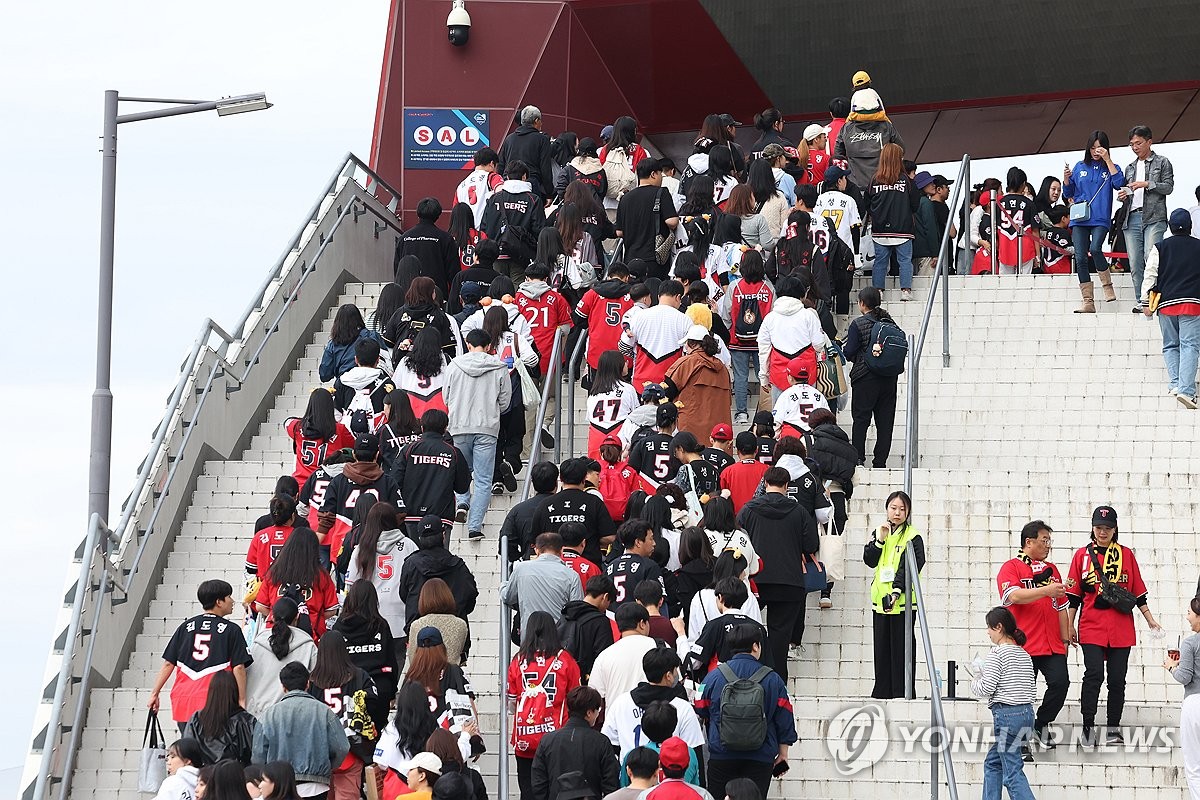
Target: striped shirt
(1007,677)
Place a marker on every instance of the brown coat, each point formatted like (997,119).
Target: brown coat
(704,393)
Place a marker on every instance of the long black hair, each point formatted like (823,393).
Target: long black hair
(319,420)
(550,245)
(699,198)
(362,601)
(1042,199)
(382,517)
(462,223)
(718,515)
(284,613)
(762,181)
(220,704)
(562,149)
(407,270)
(283,775)
(720,163)
(426,357)
(657,512)
(334,668)
(609,372)
(283,510)
(299,561)
(346,324)
(624,134)
(413,719)
(401,419)
(540,637)
(729,564)
(694,546)
(391,297)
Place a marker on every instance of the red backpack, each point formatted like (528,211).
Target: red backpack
(617,482)
(535,717)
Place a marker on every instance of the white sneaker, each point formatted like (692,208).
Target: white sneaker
(1172,391)
(906,294)
(1185,401)
(741,418)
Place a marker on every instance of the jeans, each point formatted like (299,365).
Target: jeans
(1003,767)
(1139,238)
(1054,669)
(1088,239)
(478,449)
(1181,349)
(1094,656)
(742,361)
(883,253)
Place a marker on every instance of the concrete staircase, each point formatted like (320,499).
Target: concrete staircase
(1042,414)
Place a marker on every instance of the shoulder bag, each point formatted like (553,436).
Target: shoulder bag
(1116,596)
(1082,211)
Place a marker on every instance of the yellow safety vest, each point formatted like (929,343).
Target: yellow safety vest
(885,571)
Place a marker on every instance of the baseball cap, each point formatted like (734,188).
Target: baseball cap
(673,754)
(861,78)
(430,527)
(653,393)
(773,151)
(426,761)
(696,333)
(814,130)
(938,180)
(723,432)
(365,444)
(764,418)
(727,120)
(833,172)
(612,438)
(798,368)
(985,198)
(922,179)
(429,637)
(606,133)
(1105,516)
(1180,221)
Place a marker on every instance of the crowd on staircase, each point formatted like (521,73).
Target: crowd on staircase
(660,575)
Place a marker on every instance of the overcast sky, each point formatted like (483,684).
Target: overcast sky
(204,207)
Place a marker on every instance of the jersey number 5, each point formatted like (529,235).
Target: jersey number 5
(200,648)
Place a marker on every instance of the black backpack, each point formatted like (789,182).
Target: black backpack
(892,344)
(749,317)
(743,723)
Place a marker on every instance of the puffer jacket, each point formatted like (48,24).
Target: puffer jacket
(831,448)
(586,170)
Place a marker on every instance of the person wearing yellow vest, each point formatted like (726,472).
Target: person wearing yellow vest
(885,553)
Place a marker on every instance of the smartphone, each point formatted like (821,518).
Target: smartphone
(780,769)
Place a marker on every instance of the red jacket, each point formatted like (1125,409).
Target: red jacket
(1104,626)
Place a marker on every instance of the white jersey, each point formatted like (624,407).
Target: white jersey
(388,564)
(623,724)
(722,189)
(475,190)
(842,212)
(795,404)
(607,411)
(518,332)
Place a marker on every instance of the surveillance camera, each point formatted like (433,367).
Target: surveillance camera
(458,24)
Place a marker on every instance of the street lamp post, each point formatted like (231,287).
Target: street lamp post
(100,457)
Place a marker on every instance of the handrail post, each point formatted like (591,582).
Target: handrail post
(573,373)
(548,387)
(994,224)
(502,776)
(910,454)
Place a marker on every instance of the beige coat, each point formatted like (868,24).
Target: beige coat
(704,393)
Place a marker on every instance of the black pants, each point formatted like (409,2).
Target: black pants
(1094,656)
(838,499)
(721,772)
(785,622)
(873,395)
(525,777)
(1054,670)
(843,281)
(890,633)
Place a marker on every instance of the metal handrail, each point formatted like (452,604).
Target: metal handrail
(550,384)
(100,535)
(912,583)
(572,377)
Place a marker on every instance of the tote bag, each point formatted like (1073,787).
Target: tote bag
(152,768)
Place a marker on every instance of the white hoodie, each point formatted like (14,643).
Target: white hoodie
(790,327)
(518,330)
(180,786)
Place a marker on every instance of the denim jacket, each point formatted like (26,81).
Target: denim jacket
(1161,177)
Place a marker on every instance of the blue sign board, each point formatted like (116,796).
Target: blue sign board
(443,138)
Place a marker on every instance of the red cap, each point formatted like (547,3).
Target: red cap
(798,368)
(674,754)
(722,432)
(612,438)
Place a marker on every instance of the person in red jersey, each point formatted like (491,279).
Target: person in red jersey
(1106,634)
(653,337)
(200,648)
(544,308)
(740,479)
(574,536)
(618,480)
(1030,587)
(269,541)
(601,310)
(298,574)
(315,435)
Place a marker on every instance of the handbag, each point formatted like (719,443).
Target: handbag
(816,577)
(663,245)
(1082,211)
(1116,596)
(152,767)
(531,395)
(831,372)
(832,552)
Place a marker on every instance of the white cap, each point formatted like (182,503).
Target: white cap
(696,333)
(426,761)
(814,130)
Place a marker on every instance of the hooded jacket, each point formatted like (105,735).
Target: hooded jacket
(518,205)
(180,786)
(641,417)
(704,390)
(803,488)
(860,143)
(518,326)
(830,447)
(783,532)
(429,471)
(585,631)
(437,562)
(262,676)
(301,730)
(372,650)
(392,552)
(858,339)
(531,146)
(791,328)
(588,171)
(476,390)
(356,379)
(575,747)
(337,510)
